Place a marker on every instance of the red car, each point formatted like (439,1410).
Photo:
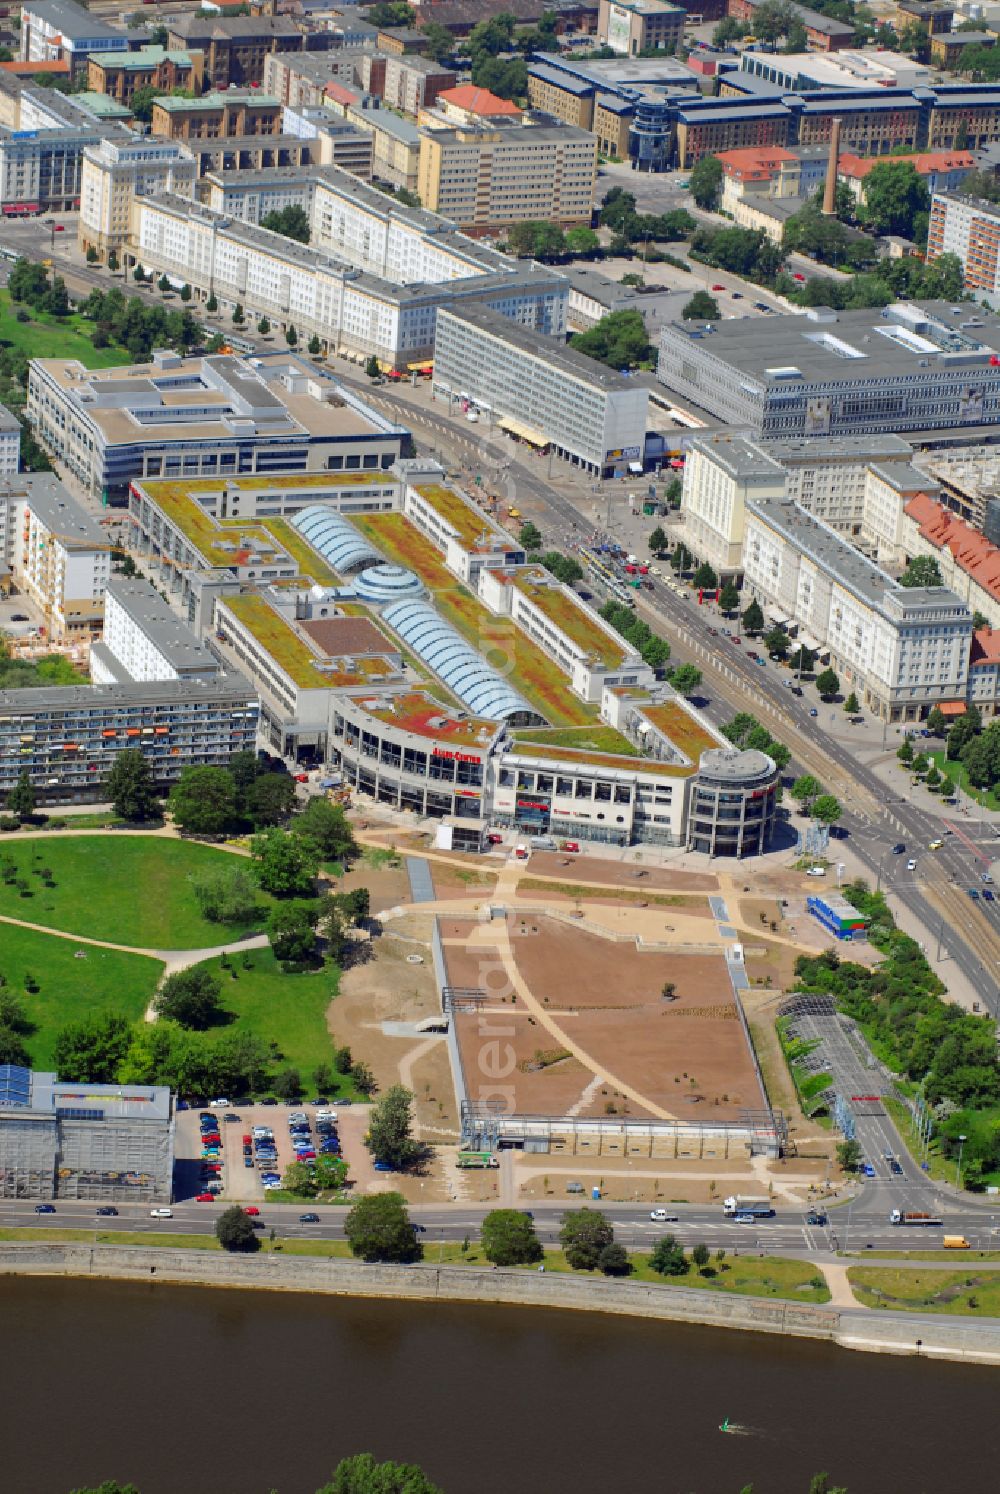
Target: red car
(570,845)
(251,1209)
(248,1141)
(302,778)
(718,287)
(204,1198)
(797,276)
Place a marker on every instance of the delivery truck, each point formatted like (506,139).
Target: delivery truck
(760,1208)
(903,1216)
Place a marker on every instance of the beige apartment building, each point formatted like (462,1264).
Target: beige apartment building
(115,173)
(486,178)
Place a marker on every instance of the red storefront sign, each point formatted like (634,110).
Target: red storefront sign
(455,757)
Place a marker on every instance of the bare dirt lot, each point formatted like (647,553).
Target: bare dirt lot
(619,874)
(685,1055)
(389,989)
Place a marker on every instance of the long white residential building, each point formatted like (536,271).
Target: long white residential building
(370,281)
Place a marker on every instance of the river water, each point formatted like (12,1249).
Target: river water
(199,1391)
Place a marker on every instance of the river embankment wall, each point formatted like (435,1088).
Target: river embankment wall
(861,1329)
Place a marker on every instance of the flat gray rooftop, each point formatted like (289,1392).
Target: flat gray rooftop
(229,688)
(835,556)
(739,458)
(59,511)
(806,451)
(148,612)
(904,339)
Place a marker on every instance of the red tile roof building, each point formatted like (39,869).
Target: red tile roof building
(968,562)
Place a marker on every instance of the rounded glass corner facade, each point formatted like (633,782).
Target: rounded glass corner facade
(335,538)
(733,803)
(651,136)
(479,687)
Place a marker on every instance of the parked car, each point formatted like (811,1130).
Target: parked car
(385,1166)
(251,1209)
(813,711)
(220,1104)
(660,1216)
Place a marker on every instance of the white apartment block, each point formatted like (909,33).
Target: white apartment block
(720,474)
(539,390)
(147,640)
(902,650)
(858,485)
(388,309)
(115,174)
(62,558)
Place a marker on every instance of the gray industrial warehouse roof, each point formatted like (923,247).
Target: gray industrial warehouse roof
(457,663)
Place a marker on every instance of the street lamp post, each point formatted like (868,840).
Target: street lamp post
(958,1169)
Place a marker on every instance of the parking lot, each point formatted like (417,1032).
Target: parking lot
(231,1152)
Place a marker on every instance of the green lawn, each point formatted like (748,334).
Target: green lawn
(127,889)
(956,772)
(104,980)
(289,1010)
(47,336)
(952,1293)
(771,1277)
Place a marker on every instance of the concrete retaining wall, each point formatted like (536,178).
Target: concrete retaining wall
(872,1331)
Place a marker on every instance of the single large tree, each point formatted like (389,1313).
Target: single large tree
(362,1475)
(378,1228)
(390,1129)
(271,799)
(509,1238)
(826,809)
(686,679)
(326,827)
(191,998)
(129,786)
(828,684)
(705,578)
(234,1231)
(668,1258)
(284,865)
(922,570)
(702,307)
(203,800)
(806,789)
(584,1234)
(729,597)
(291,928)
(21,799)
(753,618)
(90,1051)
(705,182)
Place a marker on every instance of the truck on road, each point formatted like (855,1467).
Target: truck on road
(903,1216)
(476,1159)
(760,1208)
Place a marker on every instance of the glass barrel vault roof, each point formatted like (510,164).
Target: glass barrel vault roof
(463,670)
